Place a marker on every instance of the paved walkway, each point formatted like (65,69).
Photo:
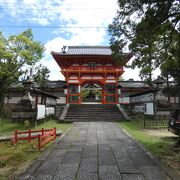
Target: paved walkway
(92,151)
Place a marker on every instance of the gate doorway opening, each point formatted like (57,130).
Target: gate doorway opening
(91,93)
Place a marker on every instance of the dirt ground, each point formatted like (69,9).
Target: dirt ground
(159,132)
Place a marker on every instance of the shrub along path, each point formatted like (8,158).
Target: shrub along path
(96,150)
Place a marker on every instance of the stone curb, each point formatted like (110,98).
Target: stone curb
(173,175)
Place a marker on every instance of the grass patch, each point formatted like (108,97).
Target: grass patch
(52,123)
(8,127)
(14,157)
(160,146)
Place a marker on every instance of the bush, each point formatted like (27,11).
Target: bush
(27,124)
(2,163)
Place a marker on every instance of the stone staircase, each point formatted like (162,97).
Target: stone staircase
(94,112)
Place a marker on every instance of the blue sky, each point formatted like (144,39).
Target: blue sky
(60,22)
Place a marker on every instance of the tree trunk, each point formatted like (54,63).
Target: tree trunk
(178,141)
(178,78)
(150,78)
(150,65)
(2,95)
(167,78)
(179,75)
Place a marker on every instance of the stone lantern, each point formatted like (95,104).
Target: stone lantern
(27,84)
(25,109)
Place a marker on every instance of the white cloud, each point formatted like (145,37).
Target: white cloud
(134,73)
(81,12)
(131,74)
(41,21)
(66,13)
(53,67)
(55,45)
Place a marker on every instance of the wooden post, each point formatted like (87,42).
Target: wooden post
(55,133)
(29,135)
(39,142)
(103,94)
(117,93)
(144,121)
(15,137)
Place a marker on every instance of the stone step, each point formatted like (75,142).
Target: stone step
(93,112)
(92,120)
(98,107)
(84,115)
(108,111)
(90,109)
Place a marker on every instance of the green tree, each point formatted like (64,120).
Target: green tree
(142,46)
(41,75)
(168,55)
(150,27)
(139,23)
(16,52)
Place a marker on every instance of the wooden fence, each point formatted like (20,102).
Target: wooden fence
(44,136)
(156,121)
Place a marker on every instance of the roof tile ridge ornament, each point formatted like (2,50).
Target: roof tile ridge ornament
(64,49)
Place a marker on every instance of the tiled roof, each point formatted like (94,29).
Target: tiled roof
(143,92)
(86,50)
(124,84)
(133,84)
(159,80)
(19,84)
(50,84)
(56,84)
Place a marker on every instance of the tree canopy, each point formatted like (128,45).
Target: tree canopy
(16,52)
(150,28)
(41,75)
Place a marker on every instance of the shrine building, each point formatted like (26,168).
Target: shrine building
(91,74)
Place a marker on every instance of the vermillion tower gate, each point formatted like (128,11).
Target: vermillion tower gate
(91,74)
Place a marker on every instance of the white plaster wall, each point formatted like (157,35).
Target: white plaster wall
(13,100)
(62,100)
(125,100)
(41,111)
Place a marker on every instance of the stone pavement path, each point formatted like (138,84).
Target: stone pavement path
(95,151)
